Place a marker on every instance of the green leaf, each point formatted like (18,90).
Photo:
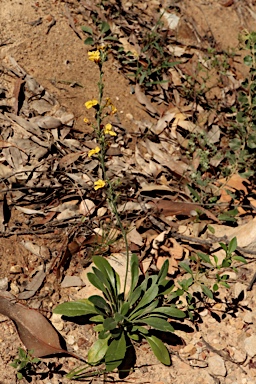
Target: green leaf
(194,193)
(89,41)
(207,291)
(19,376)
(108,272)
(248,60)
(163,272)
(211,229)
(215,287)
(251,141)
(94,280)
(115,353)
(97,351)
(97,319)
(134,296)
(204,257)
(170,312)
(125,308)
(157,323)
(232,245)
(146,300)
(159,349)
(109,324)
(75,308)
(99,301)
(240,258)
(86,29)
(138,313)
(104,27)
(98,327)
(185,266)
(134,272)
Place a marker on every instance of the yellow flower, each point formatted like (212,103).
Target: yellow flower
(108,102)
(91,103)
(113,109)
(99,184)
(86,121)
(93,151)
(94,56)
(108,130)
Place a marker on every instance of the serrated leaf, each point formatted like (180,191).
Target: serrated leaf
(97,351)
(75,308)
(158,323)
(159,349)
(115,353)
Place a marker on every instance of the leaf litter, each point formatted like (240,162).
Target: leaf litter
(165,187)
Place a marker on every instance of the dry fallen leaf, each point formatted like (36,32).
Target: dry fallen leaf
(35,331)
(171,208)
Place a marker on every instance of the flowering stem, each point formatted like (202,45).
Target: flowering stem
(111,194)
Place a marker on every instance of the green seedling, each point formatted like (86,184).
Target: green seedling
(25,363)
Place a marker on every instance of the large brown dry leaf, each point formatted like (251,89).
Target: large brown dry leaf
(34,329)
(172,208)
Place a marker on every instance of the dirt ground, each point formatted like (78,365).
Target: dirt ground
(39,37)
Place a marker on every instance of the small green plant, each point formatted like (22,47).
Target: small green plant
(123,318)
(244,141)
(202,268)
(25,363)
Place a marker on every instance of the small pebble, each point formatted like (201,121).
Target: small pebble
(4,283)
(250,345)
(216,365)
(16,269)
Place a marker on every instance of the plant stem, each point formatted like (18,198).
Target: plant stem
(111,194)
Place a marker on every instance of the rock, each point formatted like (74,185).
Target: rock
(216,365)
(16,269)
(248,318)
(71,281)
(4,284)
(250,345)
(238,289)
(188,350)
(237,355)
